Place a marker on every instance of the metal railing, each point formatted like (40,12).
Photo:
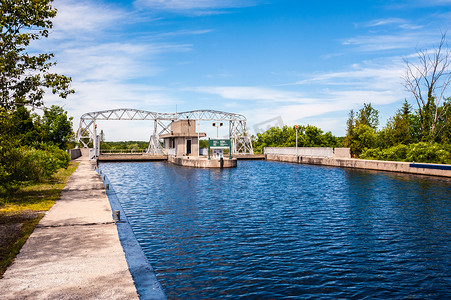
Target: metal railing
(122,151)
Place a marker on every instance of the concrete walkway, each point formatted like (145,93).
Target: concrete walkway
(75,252)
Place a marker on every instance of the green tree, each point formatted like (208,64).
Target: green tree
(55,127)
(362,137)
(350,125)
(23,76)
(444,123)
(308,136)
(367,116)
(361,129)
(403,128)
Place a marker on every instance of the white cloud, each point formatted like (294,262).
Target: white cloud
(109,69)
(383,22)
(75,18)
(251,93)
(378,43)
(184,32)
(398,22)
(178,5)
(379,75)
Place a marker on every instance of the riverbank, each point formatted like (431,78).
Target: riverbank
(377,165)
(75,251)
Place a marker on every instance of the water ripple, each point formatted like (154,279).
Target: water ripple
(271,230)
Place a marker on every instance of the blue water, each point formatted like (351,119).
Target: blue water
(269,230)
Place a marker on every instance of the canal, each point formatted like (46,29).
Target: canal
(269,230)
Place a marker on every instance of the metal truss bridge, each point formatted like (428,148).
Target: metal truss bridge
(238,133)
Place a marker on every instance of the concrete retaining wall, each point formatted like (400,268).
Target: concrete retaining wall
(84,151)
(130,157)
(302,151)
(309,151)
(202,162)
(74,153)
(390,166)
(342,152)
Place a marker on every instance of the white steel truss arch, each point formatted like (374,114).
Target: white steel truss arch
(238,132)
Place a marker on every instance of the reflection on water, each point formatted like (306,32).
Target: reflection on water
(272,230)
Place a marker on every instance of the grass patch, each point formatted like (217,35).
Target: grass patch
(13,235)
(22,211)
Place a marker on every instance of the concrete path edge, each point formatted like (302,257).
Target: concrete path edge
(146,282)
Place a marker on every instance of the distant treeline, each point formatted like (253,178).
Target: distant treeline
(128,145)
(405,137)
(308,136)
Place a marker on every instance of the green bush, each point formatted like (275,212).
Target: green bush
(424,152)
(62,158)
(19,165)
(419,152)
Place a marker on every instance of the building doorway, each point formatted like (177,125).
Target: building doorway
(188,147)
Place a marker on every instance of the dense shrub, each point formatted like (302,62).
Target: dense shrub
(419,152)
(424,152)
(19,165)
(23,156)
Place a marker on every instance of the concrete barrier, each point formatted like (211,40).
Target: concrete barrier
(309,151)
(378,165)
(302,151)
(130,157)
(342,152)
(74,153)
(196,162)
(84,152)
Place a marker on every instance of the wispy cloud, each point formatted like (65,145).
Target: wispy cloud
(376,75)
(419,3)
(252,93)
(77,17)
(193,4)
(383,22)
(184,32)
(376,43)
(197,7)
(397,22)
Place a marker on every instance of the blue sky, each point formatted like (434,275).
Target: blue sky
(301,62)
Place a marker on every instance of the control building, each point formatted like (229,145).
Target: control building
(183,139)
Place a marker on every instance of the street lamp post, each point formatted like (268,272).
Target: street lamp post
(217,125)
